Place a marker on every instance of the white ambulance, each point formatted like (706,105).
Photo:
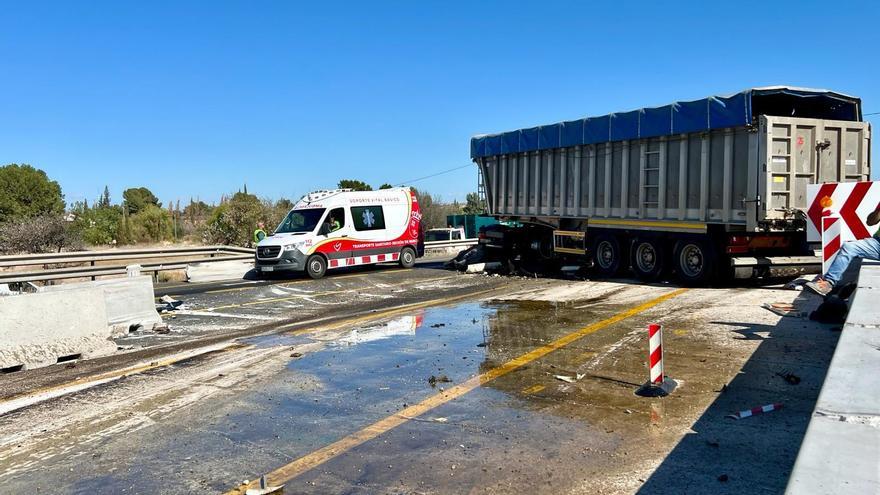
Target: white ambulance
(326,230)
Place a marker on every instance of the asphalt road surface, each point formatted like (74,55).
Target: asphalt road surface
(427,381)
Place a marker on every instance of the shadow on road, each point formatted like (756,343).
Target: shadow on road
(755,454)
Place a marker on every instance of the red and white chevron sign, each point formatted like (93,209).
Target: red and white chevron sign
(851,201)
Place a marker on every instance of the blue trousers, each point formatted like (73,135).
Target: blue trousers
(868,248)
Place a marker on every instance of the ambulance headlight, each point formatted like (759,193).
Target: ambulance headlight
(295,245)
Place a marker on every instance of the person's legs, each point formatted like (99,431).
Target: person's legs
(865,248)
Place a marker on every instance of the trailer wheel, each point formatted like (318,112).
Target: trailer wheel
(647,258)
(316,266)
(695,262)
(407,257)
(607,255)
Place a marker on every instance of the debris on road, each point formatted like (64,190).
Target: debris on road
(723,478)
(755,410)
(440,420)
(296,355)
(265,489)
(434,380)
(169,304)
(789,377)
(161,328)
(784,309)
(438,325)
(565,378)
(796,284)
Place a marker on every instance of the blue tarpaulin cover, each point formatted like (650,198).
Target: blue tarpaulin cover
(714,112)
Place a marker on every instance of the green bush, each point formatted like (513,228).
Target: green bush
(100,226)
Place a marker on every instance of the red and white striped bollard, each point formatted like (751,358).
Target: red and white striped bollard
(658,384)
(655,354)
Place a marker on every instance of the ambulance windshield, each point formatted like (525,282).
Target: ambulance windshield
(304,220)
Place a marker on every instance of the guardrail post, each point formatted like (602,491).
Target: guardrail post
(93,264)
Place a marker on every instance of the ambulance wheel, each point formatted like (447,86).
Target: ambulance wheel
(407,257)
(316,266)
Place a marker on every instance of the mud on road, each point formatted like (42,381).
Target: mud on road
(463,397)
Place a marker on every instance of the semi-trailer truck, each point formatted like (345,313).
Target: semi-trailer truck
(702,188)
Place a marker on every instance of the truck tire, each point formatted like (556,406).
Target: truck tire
(608,257)
(407,257)
(647,258)
(316,266)
(695,261)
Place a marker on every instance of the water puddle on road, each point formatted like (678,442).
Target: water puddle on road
(349,379)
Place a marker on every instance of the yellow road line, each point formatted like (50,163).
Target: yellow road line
(534,389)
(324,454)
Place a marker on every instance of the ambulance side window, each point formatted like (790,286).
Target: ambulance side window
(337,214)
(368,217)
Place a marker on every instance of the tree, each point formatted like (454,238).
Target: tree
(386,186)
(234,221)
(38,234)
(138,198)
(123,234)
(474,205)
(27,192)
(98,226)
(105,198)
(354,185)
(151,224)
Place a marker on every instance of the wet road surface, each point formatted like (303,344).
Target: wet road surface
(351,407)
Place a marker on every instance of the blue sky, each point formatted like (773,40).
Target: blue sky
(193,99)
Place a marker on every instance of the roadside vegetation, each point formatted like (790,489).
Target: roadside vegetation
(34,217)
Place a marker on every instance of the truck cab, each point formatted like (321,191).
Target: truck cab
(445,234)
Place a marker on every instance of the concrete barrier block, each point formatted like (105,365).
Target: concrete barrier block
(216,271)
(130,301)
(42,328)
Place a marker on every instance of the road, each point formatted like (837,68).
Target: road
(428,381)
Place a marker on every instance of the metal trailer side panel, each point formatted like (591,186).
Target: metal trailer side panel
(689,177)
(710,177)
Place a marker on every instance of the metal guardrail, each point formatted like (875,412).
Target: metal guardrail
(463,243)
(202,254)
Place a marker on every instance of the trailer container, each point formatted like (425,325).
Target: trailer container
(470,223)
(695,187)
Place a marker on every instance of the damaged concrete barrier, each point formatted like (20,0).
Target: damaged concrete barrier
(130,301)
(46,328)
(483,267)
